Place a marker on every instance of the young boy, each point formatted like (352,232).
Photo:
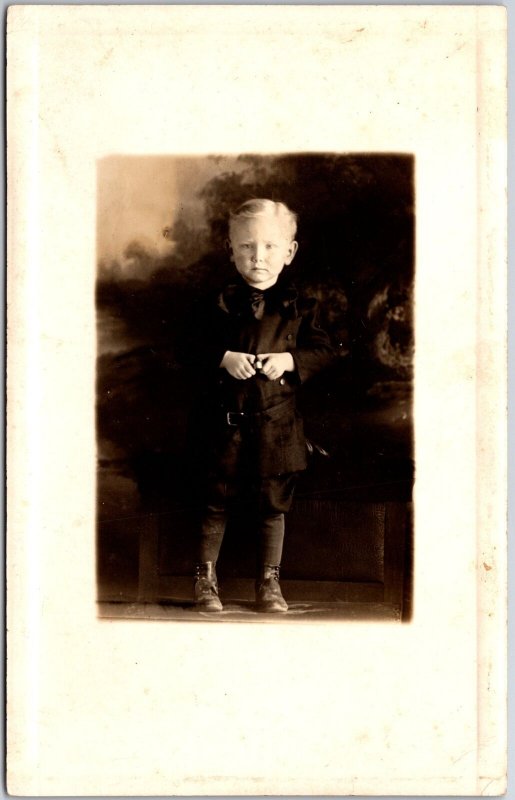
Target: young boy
(261,343)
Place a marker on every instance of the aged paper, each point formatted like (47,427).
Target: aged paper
(107,707)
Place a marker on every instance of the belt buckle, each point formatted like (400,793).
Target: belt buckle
(230,415)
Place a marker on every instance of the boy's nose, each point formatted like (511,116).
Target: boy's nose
(257,254)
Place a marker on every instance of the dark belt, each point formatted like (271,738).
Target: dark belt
(235,418)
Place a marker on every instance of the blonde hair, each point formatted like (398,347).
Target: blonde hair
(260,207)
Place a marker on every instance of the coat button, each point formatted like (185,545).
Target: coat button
(282,381)
(290,337)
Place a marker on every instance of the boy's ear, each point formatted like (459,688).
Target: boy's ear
(228,247)
(294,246)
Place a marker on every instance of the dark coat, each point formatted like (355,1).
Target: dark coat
(270,437)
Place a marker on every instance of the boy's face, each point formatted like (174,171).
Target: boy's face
(260,249)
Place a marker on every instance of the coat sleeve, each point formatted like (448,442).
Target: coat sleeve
(314,351)
(205,338)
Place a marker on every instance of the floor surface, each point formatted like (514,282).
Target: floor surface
(244,611)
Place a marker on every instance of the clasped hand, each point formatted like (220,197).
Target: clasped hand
(243,365)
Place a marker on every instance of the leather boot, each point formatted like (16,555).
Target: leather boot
(268,592)
(206,588)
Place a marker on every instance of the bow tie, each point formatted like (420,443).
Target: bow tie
(257,303)
(243,299)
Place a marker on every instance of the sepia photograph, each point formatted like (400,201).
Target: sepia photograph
(254,386)
(256,400)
